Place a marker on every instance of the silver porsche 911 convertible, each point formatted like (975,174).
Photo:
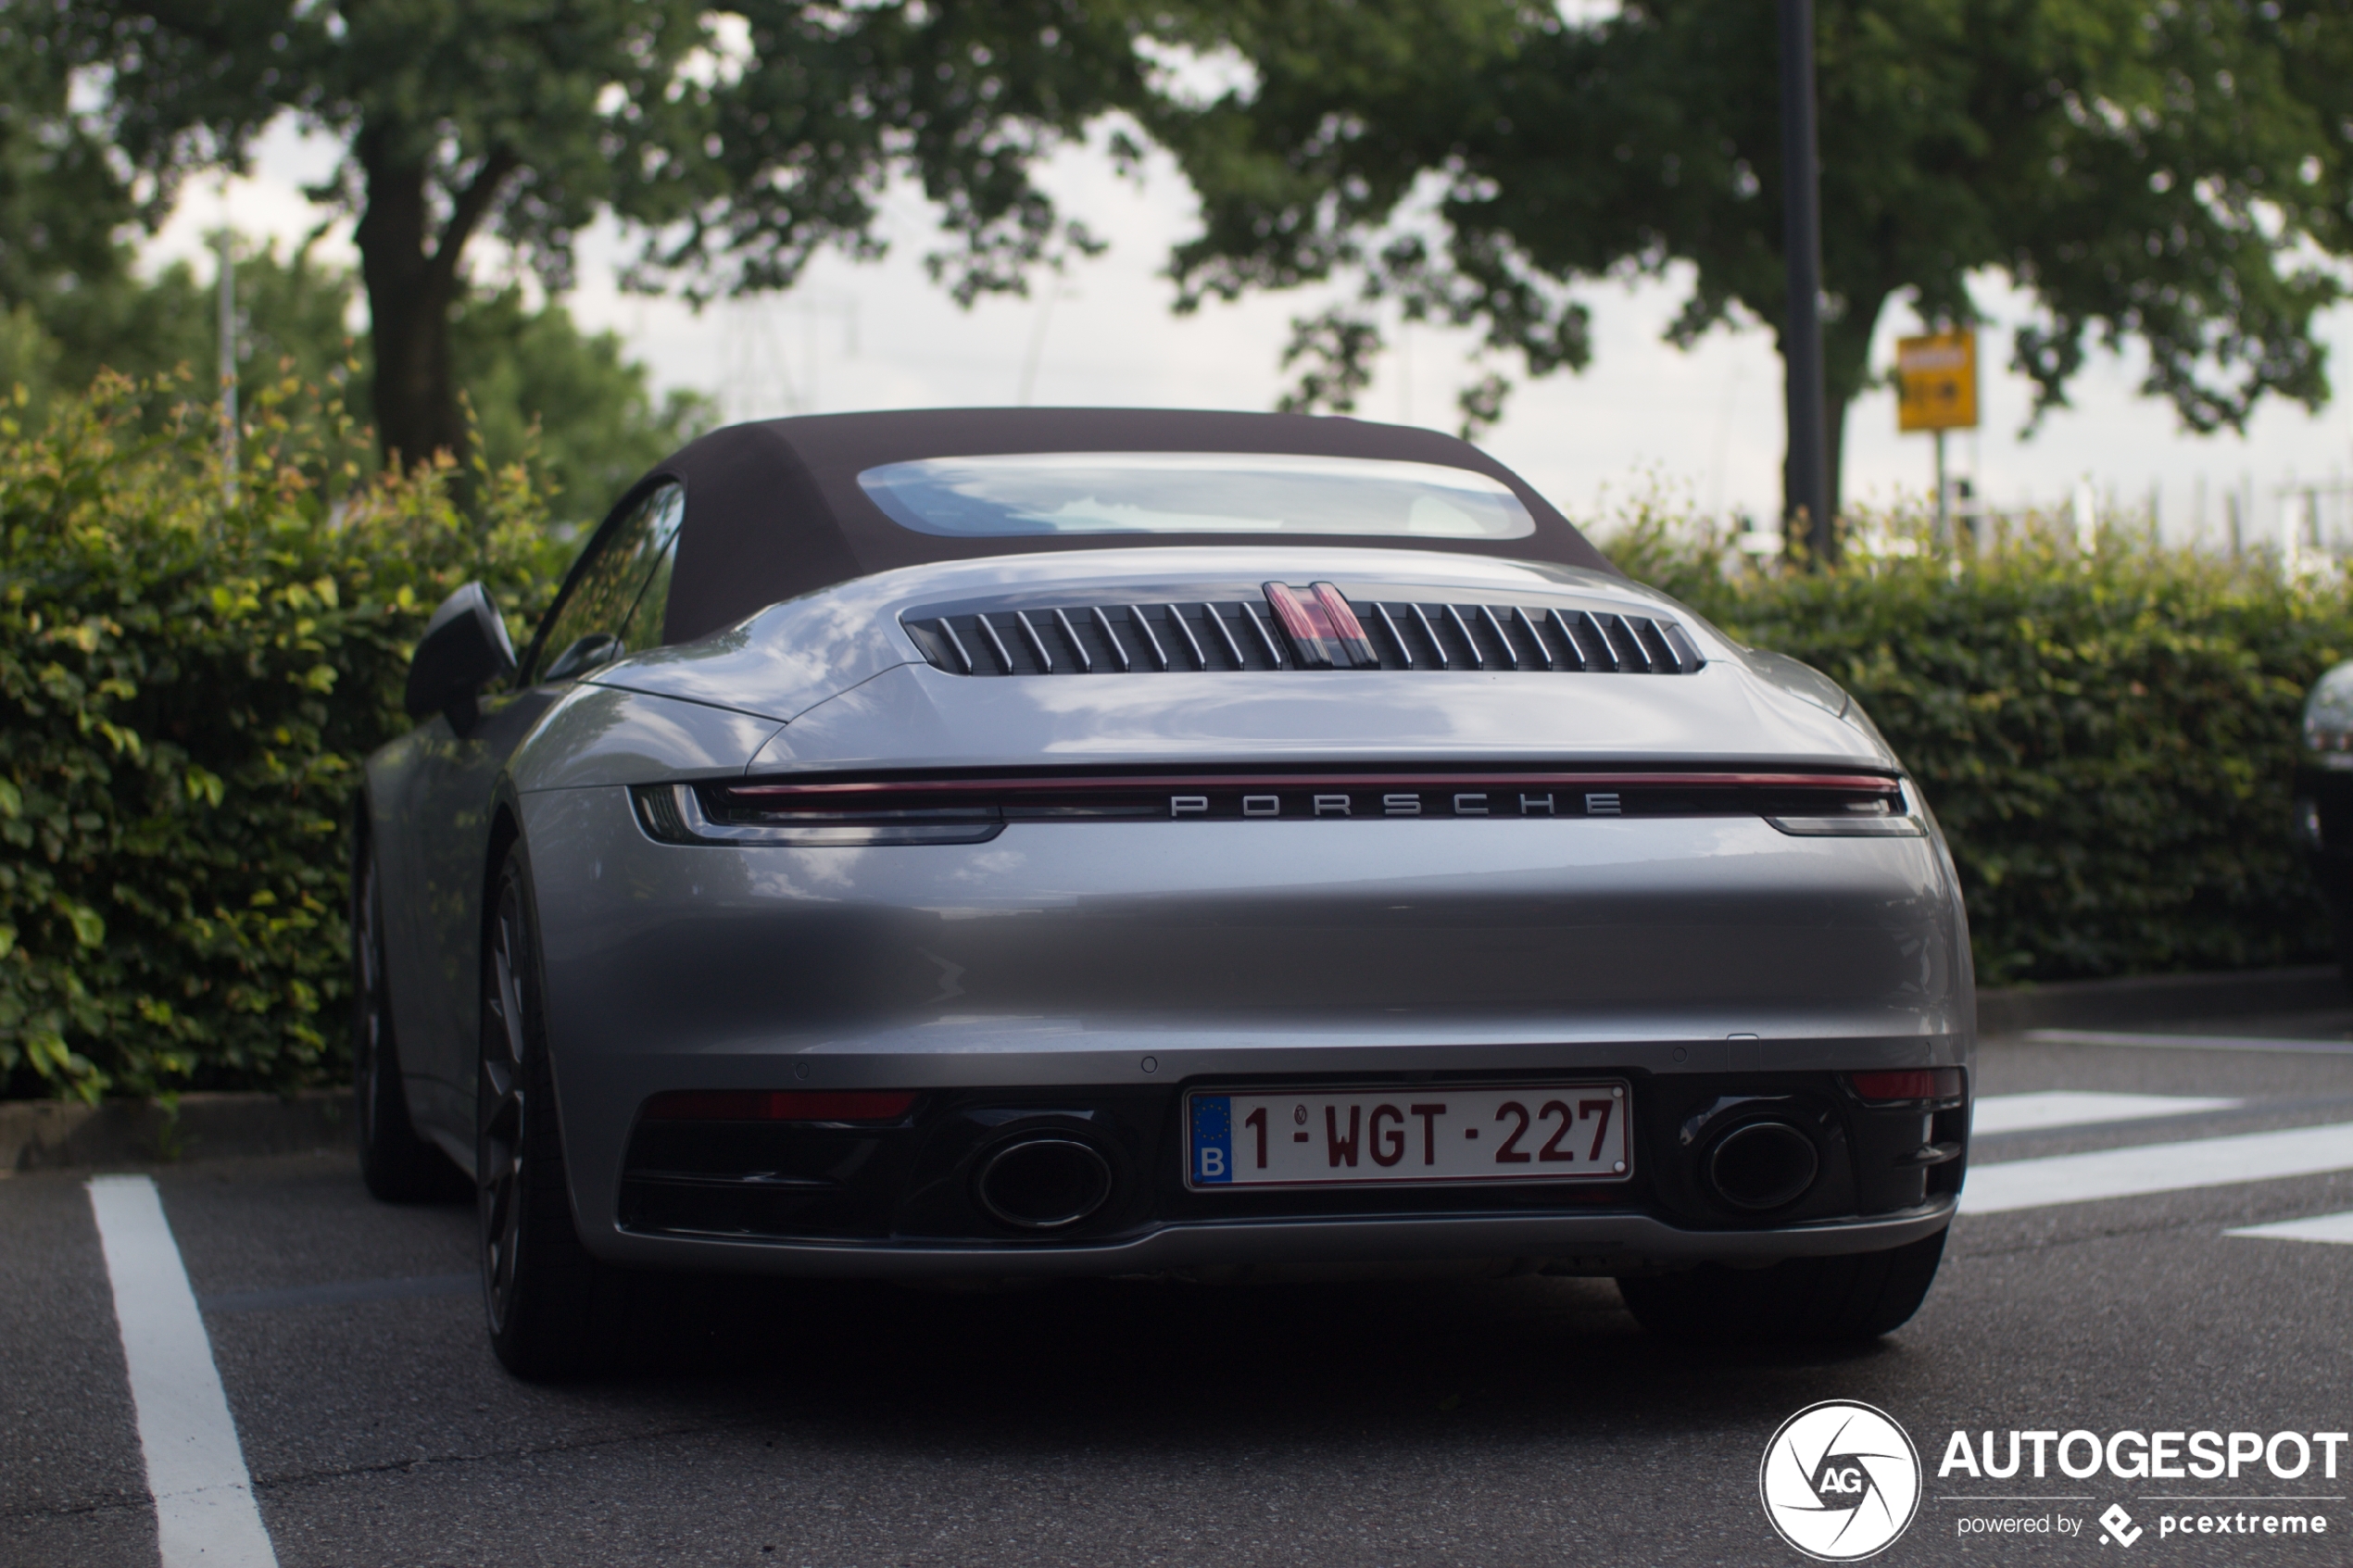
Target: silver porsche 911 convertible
(1016,843)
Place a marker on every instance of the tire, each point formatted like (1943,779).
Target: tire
(554,1311)
(2341,933)
(397,1165)
(1858,1297)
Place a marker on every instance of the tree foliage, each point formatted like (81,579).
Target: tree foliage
(532,380)
(61,201)
(737,148)
(2166,175)
(537,385)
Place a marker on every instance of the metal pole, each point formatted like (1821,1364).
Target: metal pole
(228,358)
(1943,498)
(1809,472)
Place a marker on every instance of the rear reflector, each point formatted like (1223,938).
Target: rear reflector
(784,1105)
(1916,1083)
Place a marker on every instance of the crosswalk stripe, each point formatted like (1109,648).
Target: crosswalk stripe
(2081,1108)
(2165,1167)
(2337,1228)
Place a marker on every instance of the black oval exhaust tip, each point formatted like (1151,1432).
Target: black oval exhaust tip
(1763,1165)
(1044,1184)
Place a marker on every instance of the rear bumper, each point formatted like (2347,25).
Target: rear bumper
(1696,958)
(905,1198)
(1605,1243)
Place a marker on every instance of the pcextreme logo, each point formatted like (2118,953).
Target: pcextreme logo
(1840,1481)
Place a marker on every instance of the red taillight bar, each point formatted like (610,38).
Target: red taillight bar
(1843,783)
(1911,1082)
(781,1105)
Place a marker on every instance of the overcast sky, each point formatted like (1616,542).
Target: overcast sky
(1707,424)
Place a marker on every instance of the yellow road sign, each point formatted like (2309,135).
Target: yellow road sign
(1936,381)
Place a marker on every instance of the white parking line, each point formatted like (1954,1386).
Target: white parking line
(2187,1042)
(2164,1167)
(2080,1108)
(2337,1228)
(205,1513)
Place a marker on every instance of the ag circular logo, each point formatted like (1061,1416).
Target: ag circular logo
(1840,1481)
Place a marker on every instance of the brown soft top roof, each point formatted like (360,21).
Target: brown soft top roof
(775,510)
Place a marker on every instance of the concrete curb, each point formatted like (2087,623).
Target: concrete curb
(2160,999)
(50,1135)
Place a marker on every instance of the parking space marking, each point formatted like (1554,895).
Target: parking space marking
(206,1516)
(2152,1168)
(2187,1042)
(2337,1228)
(2081,1108)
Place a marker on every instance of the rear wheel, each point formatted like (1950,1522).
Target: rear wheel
(397,1165)
(2341,932)
(1860,1296)
(554,1310)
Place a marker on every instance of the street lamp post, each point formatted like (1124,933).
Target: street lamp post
(1808,477)
(228,331)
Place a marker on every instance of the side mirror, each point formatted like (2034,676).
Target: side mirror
(463,650)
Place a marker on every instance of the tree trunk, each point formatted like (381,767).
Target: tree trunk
(1834,405)
(1834,445)
(413,281)
(1846,372)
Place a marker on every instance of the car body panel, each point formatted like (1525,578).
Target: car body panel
(435,799)
(600,734)
(913,716)
(2324,801)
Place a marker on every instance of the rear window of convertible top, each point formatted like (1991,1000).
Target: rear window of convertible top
(1004,494)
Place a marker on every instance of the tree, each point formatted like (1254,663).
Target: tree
(292,316)
(736,150)
(2158,173)
(532,380)
(61,202)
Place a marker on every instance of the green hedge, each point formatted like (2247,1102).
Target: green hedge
(2108,741)
(187,683)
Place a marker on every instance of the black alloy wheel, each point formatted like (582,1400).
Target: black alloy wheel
(1859,1295)
(397,1165)
(554,1310)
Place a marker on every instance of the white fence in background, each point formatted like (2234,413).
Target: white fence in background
(2306,525)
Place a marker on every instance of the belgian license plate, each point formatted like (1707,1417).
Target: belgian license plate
(1408,1135)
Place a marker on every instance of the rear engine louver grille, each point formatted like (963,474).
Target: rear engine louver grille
(1300,629)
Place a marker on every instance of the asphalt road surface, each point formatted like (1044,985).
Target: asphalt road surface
(1513,1421)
